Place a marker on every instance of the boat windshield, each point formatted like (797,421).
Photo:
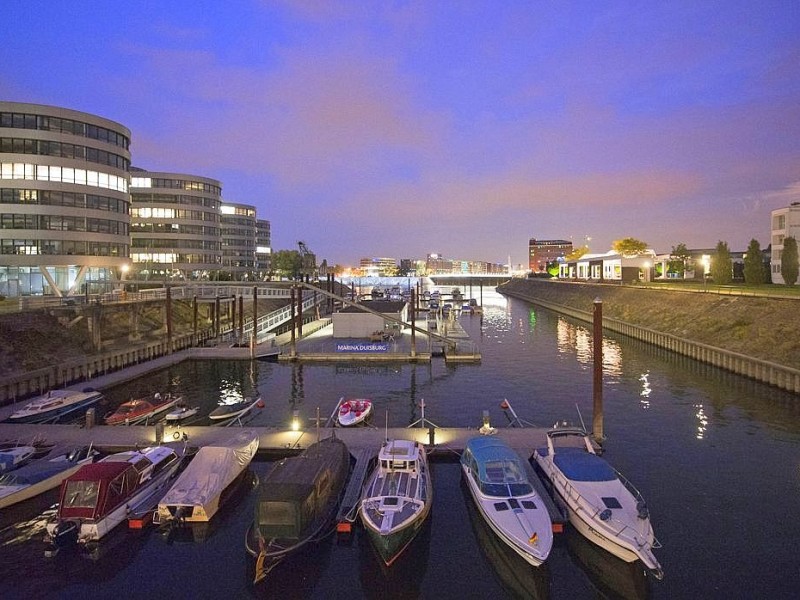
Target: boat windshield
(126,409)
(81,494)
(8,479)
(504,477)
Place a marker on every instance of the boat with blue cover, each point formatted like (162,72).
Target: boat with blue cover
(602,505)
(41,475)
(499,484)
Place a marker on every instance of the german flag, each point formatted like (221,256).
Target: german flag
(534,538)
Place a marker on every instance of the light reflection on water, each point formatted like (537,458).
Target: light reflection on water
(705,447)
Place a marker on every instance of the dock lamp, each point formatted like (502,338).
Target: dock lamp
(295,419)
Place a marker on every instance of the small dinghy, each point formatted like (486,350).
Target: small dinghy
(355,411)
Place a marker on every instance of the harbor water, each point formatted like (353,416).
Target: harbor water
(716,456)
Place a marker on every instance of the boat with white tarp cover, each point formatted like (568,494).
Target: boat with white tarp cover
(200,489)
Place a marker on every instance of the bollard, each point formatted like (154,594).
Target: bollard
(431,435)
(90,418)
(159,432)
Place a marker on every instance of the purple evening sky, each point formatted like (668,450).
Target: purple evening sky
(465,128)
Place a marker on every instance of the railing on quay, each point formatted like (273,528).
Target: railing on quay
(84,369)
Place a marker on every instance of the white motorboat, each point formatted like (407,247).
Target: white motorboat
(14,457)
(54,405)
(203,486)
(397,498)
(354,411)
(226,414)
(505,497)
(181,412)
(603,505)
(42,475)
(100,496)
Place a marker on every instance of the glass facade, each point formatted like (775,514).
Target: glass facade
(64,202)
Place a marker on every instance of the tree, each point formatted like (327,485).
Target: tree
(789,261)
(722,264)
(287,263)
(679,258)
(629,246)
(754,273)
(576,253)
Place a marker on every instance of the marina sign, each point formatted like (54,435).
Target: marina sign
(362,347)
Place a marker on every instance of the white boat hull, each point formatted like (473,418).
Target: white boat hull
(622,532)
(13,494)
(533,553)
(92,530)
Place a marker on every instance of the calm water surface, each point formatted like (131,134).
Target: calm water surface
(716,456)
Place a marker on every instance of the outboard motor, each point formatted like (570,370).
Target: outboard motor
(66,534)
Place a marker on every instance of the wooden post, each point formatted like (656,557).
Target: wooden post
(300,311)
(291,321)
(255,313)
(413,327)
(194,317)
(216,316)
(169,320)
(597,355)
(241,315)
(233,319)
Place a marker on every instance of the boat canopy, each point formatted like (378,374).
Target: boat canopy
(579,465)
(498,468)
(297,490)
(97,488)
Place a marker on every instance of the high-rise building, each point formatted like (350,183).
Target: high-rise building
(64,202)
(542,252)
(175,225)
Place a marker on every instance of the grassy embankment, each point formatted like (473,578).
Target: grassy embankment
(758,326)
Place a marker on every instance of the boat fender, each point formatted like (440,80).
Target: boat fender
(642,510)
(605,515)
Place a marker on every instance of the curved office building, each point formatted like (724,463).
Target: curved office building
(175,225)
(64,203)
(238,240)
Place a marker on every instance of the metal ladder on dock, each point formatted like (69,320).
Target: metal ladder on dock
(348,508)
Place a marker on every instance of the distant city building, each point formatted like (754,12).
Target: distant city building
(175,225)
(64,201)
(238,228)
(378,267)
(785,223)
(543,252)
(436,264)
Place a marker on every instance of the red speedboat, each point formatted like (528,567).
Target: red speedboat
(140,410)
(355,411)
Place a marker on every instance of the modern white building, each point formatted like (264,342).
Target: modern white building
(785,223)
(610,266)
(64,201)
